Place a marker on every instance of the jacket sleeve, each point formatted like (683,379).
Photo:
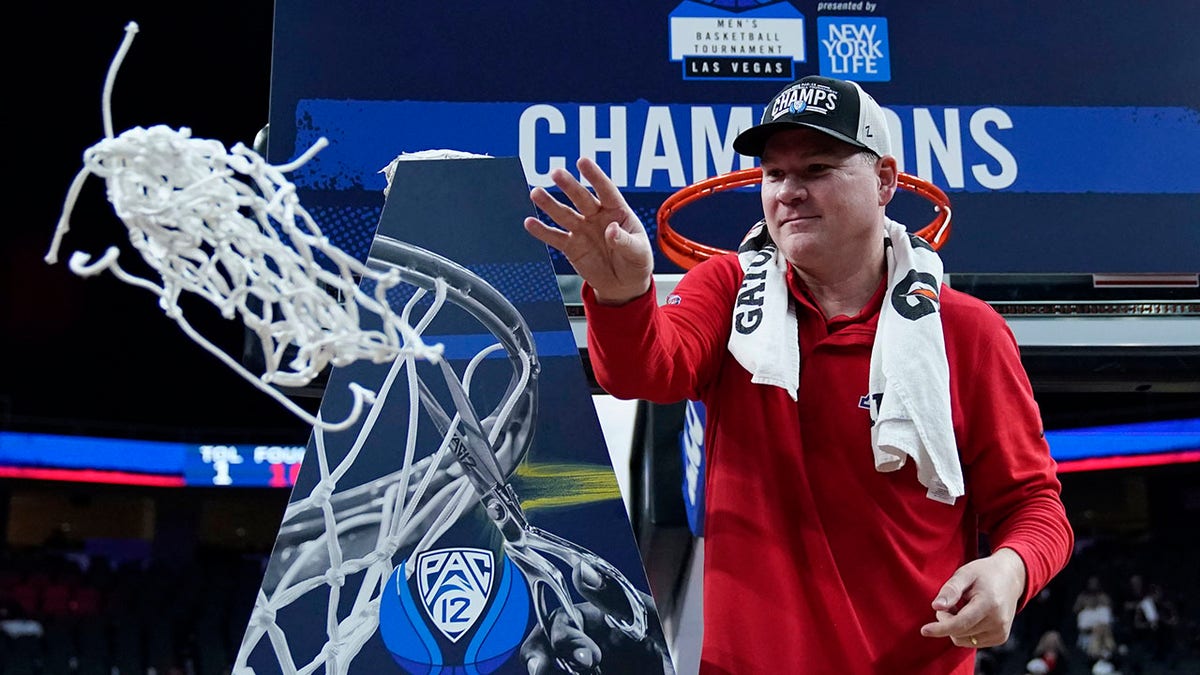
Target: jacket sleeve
(664,354)
(1012,480)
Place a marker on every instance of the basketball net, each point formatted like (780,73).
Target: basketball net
(228,227)
(341,540)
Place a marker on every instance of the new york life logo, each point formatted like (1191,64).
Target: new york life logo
(854,48)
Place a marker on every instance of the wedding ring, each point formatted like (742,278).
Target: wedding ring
(974,642)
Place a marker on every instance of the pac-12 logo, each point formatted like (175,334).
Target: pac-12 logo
(455,585)
(455,613)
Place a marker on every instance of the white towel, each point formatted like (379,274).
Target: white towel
(765,337)
(910,376)
(909,383)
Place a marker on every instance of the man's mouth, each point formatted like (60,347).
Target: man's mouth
(799,220)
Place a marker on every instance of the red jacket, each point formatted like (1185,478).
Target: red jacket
(814,561)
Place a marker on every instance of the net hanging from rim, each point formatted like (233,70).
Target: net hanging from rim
(228,227)
(337,542)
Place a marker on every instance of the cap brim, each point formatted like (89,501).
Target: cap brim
(753,141)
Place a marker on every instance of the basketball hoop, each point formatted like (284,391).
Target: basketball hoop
(688,253)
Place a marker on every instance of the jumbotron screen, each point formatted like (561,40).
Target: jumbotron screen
(1061,132)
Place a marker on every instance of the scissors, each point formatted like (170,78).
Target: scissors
(525,544)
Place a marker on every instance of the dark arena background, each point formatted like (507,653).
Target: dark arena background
(153,567)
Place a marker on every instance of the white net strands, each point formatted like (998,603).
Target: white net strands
(228,227)
(339,542)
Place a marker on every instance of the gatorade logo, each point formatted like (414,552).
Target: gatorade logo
(916,295)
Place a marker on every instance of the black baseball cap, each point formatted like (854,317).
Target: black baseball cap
(839,108)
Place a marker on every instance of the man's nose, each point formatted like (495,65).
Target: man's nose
(793,189)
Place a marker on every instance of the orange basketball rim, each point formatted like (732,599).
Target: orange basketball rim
(688,253)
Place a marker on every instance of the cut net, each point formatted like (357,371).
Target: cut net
(339,540)
(228,227)
(338,543)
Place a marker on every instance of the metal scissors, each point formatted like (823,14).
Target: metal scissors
(524,543)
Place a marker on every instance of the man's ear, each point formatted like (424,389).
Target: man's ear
(888,173)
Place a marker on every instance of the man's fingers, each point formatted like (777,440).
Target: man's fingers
(550,236)
(535,652)
(606,190)
(593,586)
(569,642)
(540,664)
(945,606)
(617,235)
(560,213)
(585,202)
(942,629)
(951,593)
(960,627)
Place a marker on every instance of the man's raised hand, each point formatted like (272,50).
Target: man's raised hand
(600,235)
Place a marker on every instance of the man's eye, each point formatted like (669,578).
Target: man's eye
(817,168)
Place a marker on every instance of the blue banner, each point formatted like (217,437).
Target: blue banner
(664,147)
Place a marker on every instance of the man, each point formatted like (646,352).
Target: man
(828,548)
